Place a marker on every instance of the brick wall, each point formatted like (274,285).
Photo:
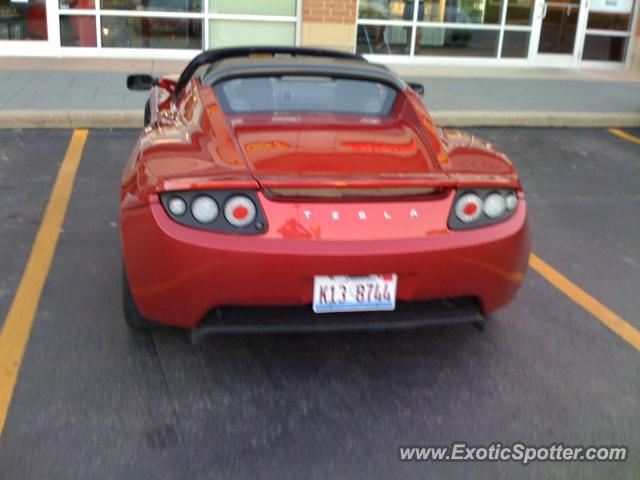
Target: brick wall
(329,11)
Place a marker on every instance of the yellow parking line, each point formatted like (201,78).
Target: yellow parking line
(625,135)
(17,326)
(616,323)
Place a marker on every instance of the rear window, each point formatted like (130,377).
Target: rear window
(305,94)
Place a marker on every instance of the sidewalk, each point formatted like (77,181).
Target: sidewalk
(66,93)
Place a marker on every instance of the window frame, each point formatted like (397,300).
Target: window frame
(205,16)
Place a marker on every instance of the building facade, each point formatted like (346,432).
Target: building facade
(567,33)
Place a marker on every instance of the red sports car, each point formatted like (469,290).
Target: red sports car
(292,189)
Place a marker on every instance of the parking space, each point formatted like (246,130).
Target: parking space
(96,400)
(582,186)
(29,163)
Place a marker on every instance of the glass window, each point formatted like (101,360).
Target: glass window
(519,12)
(382,9)
(137,32)
(608,21)
(153,5)
(23,20)
(603,48)
(460,11)
(559,29)
(76,4)
(260,7)
(456,42)
(383,39)
(78,31)
(515,44)
(313,94)
(225,33)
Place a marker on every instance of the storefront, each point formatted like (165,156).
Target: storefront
(571,33)
(142,28)
(530,32)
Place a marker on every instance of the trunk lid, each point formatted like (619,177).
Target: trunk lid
(329,153)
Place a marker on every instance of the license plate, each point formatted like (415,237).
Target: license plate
(340,293)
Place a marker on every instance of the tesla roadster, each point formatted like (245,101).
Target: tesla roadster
(293,189)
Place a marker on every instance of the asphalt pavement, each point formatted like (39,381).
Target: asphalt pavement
(96,400)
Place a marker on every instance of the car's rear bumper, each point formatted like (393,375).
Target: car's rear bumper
(178,274)
(407,315)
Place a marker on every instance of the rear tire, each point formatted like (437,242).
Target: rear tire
(132,315)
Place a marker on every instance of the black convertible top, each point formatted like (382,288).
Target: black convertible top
(214,66)
(255,67)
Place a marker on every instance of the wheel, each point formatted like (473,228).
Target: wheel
(132,315)
(147,113)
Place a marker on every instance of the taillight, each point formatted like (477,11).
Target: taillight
(468,208)
(511,201)
(494,205)
(177,206)
(203,208)
(241,210)
(477,207)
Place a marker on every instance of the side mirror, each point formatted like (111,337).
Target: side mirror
(140,81)
(417,87)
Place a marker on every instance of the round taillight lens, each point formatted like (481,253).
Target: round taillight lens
(204,209)
(494,205)
(239,211)
(511,201)
(177,206)
(469,208)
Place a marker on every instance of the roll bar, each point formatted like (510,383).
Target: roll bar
(211,56)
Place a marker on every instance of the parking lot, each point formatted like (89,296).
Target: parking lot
(95,400)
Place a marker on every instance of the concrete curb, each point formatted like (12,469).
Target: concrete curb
(536,119)
(65,119)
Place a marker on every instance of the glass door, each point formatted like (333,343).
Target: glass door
(558,26)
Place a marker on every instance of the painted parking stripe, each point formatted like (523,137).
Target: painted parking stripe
(17,326)
(613,321)
(627,136)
